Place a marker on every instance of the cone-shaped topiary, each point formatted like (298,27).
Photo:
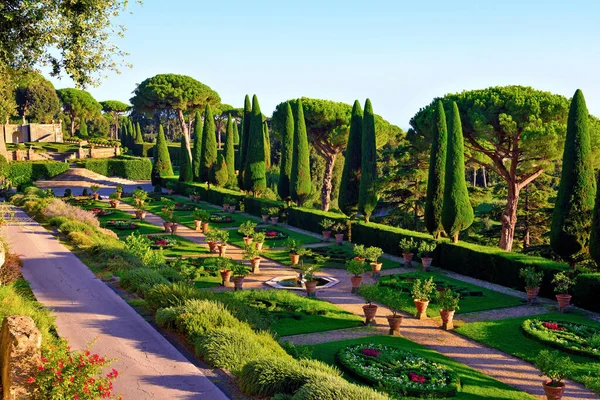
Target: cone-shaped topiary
(236,135)
(255,178)
(367,196)
(571,218)
(83,131)
(220,173)
(130,134)
(185,164)
(267,141)
(287,152)
(457,213)
(244,135)
(300,183)
(139,139)
(230,153)
(208,156)
(437,170)
(197,149)
(348,198)
(162,160)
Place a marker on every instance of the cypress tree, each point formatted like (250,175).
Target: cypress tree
(185,164)
(130,135)
(208,155)
(245,133)
(457,213)
(123,135)
(220,174)
(287,152)
(367,195)
(348,197)
(83,131)
(267,141)
(570,229)
(255,178)
(162,161)
(230,153)
(437,169)
(197,149)
(139,139)
(300,183)
(236,135)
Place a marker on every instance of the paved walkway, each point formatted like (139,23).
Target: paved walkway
(503,367)
(86,309)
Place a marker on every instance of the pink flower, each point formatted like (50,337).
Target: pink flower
(416,378)
(370,352)
(553,326)
(271,234)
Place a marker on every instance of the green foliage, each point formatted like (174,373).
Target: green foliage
(531,277)
(198,317)
(22,172)
(78,104)
(355,267)
(245,135)
(348,198)
(197,149)
(208,156)
(230,153)
(267,143)
(552,365)
(570,231)
(367,197)
(123,167)
(171,295)
(221,175)
(562,283)
(457,213)
(255,168)
(162,161)
(141,280)
(83,130)
(335,388)
(423,289)
(287,153)
(448,300)
(36,98)
(236,135)
(437,170)
(185,164)
(300,184)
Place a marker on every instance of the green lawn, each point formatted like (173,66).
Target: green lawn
(475,385)
(506,335)
(238,239)
(184,248)
(473,298)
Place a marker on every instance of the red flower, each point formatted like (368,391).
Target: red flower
(416,378)
(553,326)
(44,359)
(271,234)
(41,368)
(161,242)
(31,380)
(370,352)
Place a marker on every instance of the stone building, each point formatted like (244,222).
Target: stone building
(31,133)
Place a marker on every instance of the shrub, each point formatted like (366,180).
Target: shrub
(80,239)
(124,167)
(58,208)
(141,280)
(171,295)
(57,221)
(196,317)
(75,226)
(335,388)
(22,172)
(165,317)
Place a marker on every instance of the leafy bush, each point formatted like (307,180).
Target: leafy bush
(58,208)
(165,317)
(335,388)
(22,172)
(196,317)
(171,295)
(141,247)
(80,239)
(57,221)
(123,167)
(75,226)
(141,280)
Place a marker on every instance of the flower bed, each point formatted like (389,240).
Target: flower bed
(99,212)
(162,241)
(570,337)
(399,373)
(122,225)
(220,218)
(272,234)
(185,207)
(81,201)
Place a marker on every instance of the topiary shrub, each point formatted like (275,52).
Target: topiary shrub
(335,388)
(141,280)
(171,295)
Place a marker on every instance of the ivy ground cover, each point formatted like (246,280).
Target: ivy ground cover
(508,336)
(474,385)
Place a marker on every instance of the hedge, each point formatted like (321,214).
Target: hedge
(23,172)
(254,205)
(586,291)
(124,167)
(143,149)
(308,219)
(384,236)
(214,195)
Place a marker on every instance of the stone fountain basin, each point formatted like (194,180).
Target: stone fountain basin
(277,282)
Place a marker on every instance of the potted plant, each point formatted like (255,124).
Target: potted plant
(407,246)
(562,284)
(140,211)
(195,196)
(239,272)
(355,268)
(223,237)
(114,199)
(421,293)
(308,273)
(224,266)
(119,190)
(359,251)
(373,253)
(395,301)
(448,302)
(252,255)
(201,219)
(171,186)
(338,229)
(533,279)
(140,196)
(555,368)
(259,239)
(247,229)
(212,237)
(229,203)
(95,189)
(293,246)
(326,224)
(174,220)
(426,249)
(274,214)
(168,207)
(369,292)
(264,212)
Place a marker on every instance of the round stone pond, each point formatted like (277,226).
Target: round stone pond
(292,282)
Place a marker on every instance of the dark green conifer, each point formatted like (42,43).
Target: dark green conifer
(255,178)
(220,172)
(287,152)
(349,186)
(300,183)
(245,133)
(230,153)
(208,156)
(185,164)
(437,169)
(367,195)
(267,141)
(139,138)
(197,149)
(162,161)
(236,135)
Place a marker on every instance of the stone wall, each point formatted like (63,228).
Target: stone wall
(32,133)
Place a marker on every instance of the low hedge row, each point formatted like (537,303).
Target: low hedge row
(143,149)
(124,167)
(23,172)
(309,219)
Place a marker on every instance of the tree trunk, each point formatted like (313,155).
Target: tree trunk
(526,235)
(484,177)
(72,126)
(327,182)
(474,176)
(509,217)
(185,131)
(455,237)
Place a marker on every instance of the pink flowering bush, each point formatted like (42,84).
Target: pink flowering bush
(58,208)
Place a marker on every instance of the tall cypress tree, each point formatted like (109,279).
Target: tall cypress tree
(162,161)
(230,153)
(139,139)
(267,141)
(457,213)
(255,178)
(245,134)
(123,135)
(348,198)
(570,229)
(367,195)
(300,183)
(208,155)
(130,135)
(236,135)
(595,231)
(185,164)
(287,152)
(437,169)
(197,149)
(220,173)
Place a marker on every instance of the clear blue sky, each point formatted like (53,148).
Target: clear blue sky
(401,54)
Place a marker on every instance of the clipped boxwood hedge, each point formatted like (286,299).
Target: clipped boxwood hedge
(384,236)
(124,167)
(255,205)
(22,172)
(308,219)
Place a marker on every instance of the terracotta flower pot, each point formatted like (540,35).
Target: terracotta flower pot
(407,259)
(563,301)
(225,276)
(222,250)
(119,194)
(141,215)
(370,311)
(339,238)
(553,392)
(174,228)
(447,319)
(376,267)
(198,225)
(232,209)
(191,197)
(274,220)
(212,246)
(167,226)
(532,293)
(96,195)
(204,226)
(426,261)
(238,282)
(394,322)
(247,240)
(259,245)
(225,206)
(356,280)
(169,191)
(114,203)
(311,288)
(295,258)
(255,265)
(265,218)
(326,235)
(421,308)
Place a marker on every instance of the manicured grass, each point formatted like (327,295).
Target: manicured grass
(184,248)
(339,254)
(507,336)
(475,298)
(475,385)
(238,239)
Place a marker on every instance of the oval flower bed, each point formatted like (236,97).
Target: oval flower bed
(399,373)
(99,212)
(184,207)
(122,225)
(220,218)
(570,337)
(272,234)
(158,241)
